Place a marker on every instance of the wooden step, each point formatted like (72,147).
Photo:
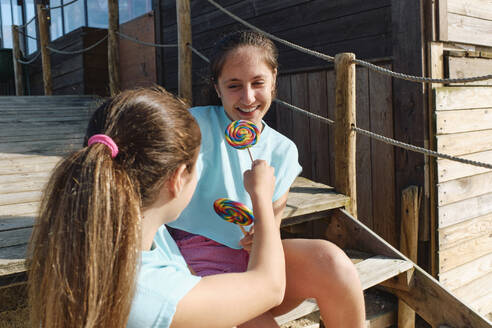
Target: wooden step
(307,197)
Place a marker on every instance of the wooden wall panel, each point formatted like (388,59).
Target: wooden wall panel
(299,97)
(319,135)
(466,273)
(464,252)
(463,126)
(472,8)
(460,67)
(327,26)
(477,289)
(467,29)
(466,21)
(363,149)
(464,188)
(449,170)
(454,121)
(84,73)
(470,229)
(464,143)
(315,91)
(383,158)
(463,210)
(137,62)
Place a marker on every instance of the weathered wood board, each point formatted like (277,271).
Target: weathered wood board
(460,67)
(466,21)
(463,125)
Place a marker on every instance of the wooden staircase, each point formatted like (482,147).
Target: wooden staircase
(36,131)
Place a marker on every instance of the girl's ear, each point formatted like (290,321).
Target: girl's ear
(177,181)
(217,90)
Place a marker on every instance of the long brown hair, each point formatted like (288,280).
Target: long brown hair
(230,43)
(85,244)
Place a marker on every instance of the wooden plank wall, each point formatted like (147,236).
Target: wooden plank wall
(466,21)
(315,91)
(84,73)
(359,26)
(137,61)
(464,193)
(468,64)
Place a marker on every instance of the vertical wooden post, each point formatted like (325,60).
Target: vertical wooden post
(409,233)
(19,83)
(113,47)
(184,51)
(345,137)
(436,70)
(44,38)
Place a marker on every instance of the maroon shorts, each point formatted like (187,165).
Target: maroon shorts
(206,256)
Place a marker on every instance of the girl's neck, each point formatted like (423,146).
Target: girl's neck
(152,220)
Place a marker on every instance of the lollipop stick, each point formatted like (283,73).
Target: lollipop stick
(250,156)
(243,230)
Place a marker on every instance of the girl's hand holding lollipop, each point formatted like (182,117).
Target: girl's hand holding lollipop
(234,212)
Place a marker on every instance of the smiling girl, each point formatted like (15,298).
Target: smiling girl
(243,73)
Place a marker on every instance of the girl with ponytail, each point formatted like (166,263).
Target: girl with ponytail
(101,255)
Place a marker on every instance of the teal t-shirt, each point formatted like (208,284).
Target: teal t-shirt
(163,280)
(220,169)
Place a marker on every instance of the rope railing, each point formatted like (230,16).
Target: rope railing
(386,139)
(30,60)
(28,22)
(304,112)
(75,52)
(199,54)
(149,44)
(357,61)
(417,78)
(27,35)
(419,149)
(61,6)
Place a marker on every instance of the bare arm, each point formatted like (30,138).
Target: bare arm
(227,300)
(279,206)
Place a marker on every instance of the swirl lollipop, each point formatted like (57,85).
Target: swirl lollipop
(242,134)
(234,212)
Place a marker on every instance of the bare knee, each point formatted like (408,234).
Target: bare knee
(334,264)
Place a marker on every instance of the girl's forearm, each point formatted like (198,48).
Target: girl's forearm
(267,256)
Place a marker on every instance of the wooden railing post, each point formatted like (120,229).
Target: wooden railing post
(345,137)
(44,38)
(19,83)
(113,47)
(409,235)
(184,51)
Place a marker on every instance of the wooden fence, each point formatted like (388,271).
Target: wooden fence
(464,193)
(316,140)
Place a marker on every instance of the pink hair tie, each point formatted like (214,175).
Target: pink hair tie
(104,139)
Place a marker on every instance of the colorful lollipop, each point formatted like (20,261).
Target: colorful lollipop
(234,212)
(242,134)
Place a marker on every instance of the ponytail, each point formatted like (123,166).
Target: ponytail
(86,244)
(91,208)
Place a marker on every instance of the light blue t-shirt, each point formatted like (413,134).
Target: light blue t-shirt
(220,169)
(163,280)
